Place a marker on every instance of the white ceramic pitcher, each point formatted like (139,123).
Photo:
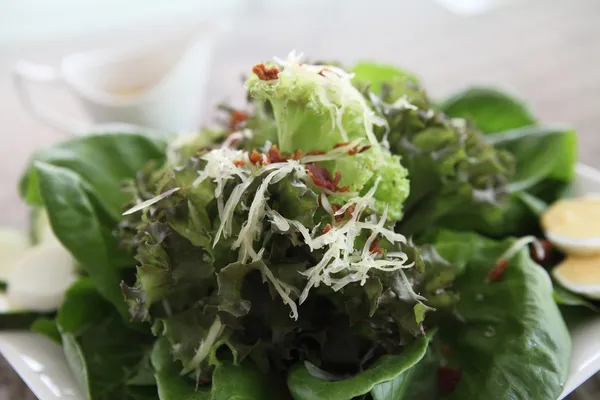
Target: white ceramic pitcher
(156,84)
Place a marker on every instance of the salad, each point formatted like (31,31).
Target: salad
(342,237)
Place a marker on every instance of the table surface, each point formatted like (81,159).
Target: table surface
(547,52)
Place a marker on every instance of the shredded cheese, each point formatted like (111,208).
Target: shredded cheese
(149,202)
(341,263)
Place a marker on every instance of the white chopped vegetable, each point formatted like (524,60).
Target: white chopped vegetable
(13,243)
(40,277)
(149,202)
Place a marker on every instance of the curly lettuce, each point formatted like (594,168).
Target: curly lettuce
(316,108)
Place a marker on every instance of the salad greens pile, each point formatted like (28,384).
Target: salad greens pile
(344,237)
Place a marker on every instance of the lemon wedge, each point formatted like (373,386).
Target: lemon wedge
(580,274)
(573,225)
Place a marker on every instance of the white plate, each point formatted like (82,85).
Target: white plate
(43,367)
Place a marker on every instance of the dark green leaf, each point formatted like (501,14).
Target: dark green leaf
(245,382)
(565,297)
(418,383)
(102,161)
(171,384)
(545,159)
(545,165)
(186,332)
(82,228)
(304,386)
(171,266)
(47,327)
(103,353)
(507,337)
(490,109)
(230,280)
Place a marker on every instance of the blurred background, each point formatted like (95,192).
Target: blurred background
(547,52)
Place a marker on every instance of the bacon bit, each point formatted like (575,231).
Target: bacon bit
(447,379)
(237,119)
(498,272)
(264,73)
(547,246)
(337,179)
(322,70)
(337,145)
(350,210)
(297,155)
(322,178)
(354,150)
(256,158)
(275,156)
(343,189)
(374,248)
(315,153)
(326,229)
(239,163)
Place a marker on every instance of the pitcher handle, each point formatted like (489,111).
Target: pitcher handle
(27,73)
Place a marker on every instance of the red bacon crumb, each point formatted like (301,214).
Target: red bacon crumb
(547,246)
(322,178)
(239,163)
(256,158)
(374,248)
(335,208)
(321,71)
(337,179)
(447,379)
(237,119)
(315,153)
(297,155)
(274,156)
(350,210)
(327,228)
(354,150)
(265,73)
(497,272)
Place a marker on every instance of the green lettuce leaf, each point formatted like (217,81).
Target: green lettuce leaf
(171,385)
(79,184)
(83,228)
(545,166)
(305,386)
(102,161)
(101,350)
(490,109)
(490,334)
